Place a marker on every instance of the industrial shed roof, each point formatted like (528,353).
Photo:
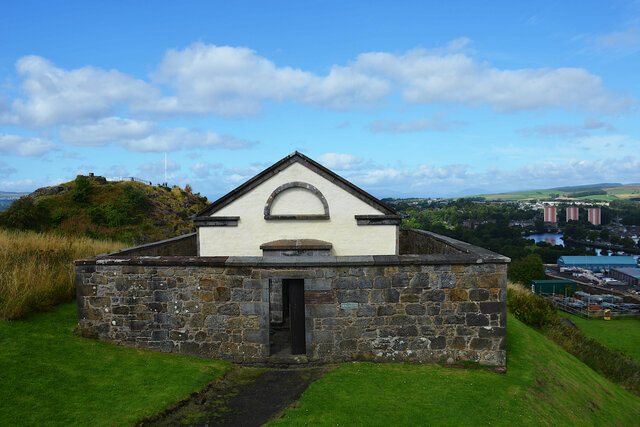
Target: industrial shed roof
(598,260)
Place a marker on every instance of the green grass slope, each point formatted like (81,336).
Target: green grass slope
(622,334)
(49,376)
(572,193)
(544,385)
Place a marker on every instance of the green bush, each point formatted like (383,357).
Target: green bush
(530,309)
(527,269)
(25,214)
(127,209)
(81,190)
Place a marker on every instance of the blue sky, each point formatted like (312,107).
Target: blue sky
(403,98)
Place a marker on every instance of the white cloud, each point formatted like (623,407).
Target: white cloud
(137,135)
(230,81)
(607,145)
(21,146)
(155,169)
(225,80)
(204,169)
(449,180)
(22,185)
(626,38)
(6,170)
(179,138)
(346,87)
(456,78)
(104,131)
(566,131)
(59,96)
(435,122)
(340,161)
(118,171)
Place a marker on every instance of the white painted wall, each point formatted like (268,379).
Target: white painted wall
(341,229)
(297,200)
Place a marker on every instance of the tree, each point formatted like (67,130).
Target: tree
(627,242)
(81,190)
(25,214)
(526,269)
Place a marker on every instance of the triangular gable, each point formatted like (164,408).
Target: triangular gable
(296,157)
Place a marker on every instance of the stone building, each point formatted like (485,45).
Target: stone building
(299,265)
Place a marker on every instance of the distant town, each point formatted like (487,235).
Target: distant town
(593,243)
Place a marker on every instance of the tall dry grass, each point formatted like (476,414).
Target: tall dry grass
(37,272)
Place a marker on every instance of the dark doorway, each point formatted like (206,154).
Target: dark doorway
(296,314)
(287,317)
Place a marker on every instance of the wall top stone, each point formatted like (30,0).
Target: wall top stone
(464,254)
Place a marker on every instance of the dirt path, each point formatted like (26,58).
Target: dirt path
(243,397)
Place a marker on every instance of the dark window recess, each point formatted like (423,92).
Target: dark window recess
(296,314)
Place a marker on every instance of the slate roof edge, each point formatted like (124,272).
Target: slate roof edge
(291,262)
(282,164)
(463,247)
(148,245)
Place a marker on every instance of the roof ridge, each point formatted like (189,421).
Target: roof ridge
(284,163)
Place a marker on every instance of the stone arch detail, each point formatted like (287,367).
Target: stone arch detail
(296,184)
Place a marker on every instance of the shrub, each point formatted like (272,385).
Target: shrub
(25,214)
(81,190)
(526,269)
(127,209)
(529,308)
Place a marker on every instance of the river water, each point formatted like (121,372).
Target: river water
(556,239)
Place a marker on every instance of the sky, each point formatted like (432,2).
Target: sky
(404,99)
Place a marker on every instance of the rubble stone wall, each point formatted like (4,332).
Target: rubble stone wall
(357,308)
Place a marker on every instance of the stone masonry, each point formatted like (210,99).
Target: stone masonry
(441,307)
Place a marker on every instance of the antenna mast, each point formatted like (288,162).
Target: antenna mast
(165,170)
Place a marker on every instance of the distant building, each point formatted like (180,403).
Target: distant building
(550,214)
(560,287)
(630,275)
(594,216)
(597,263)
(572,213)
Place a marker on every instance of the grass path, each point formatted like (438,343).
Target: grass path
(622,334)
(48,376)
(544,385)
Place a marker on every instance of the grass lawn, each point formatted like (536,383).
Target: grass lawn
(48,376)
(543,385)
(622,334)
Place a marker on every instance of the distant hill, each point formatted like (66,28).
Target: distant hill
(598,192)
(132,212)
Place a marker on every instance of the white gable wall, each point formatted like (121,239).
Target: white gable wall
(341,229)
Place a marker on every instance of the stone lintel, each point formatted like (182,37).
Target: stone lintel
(216,221)
(378,219)
(297,217)
(296,244)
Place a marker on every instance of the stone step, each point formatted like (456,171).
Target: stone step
(289,359)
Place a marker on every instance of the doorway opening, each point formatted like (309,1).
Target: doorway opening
(287,331)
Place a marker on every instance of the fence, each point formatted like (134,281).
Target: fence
(127,178)
(590,306)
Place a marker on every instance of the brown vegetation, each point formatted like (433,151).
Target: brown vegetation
(37,269)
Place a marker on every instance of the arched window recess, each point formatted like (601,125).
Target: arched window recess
(296,216)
